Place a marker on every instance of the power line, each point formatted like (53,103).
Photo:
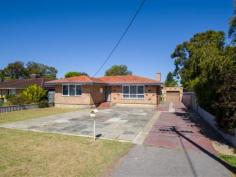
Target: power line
(121,37)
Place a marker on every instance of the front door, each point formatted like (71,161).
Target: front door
(108,93)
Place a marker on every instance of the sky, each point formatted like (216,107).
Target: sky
(77,35)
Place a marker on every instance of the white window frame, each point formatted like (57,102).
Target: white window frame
(136,98)
(69,89)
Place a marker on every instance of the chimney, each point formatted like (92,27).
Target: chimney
(158,77)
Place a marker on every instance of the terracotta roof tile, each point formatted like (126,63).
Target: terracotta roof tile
(128,79)
(76,79)
(107,80)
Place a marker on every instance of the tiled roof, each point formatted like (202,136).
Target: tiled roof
(130,79)
(21,83)
(76,79)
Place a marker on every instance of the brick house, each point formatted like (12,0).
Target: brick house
(14,87)
(84,91)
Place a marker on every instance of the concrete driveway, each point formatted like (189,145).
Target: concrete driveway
(178,145)
(123,123)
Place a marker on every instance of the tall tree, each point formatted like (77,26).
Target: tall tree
(225,104)
(41,70)
(206,66)
(118,70)
(232,29)
(15,70)
(170,81)
(75,73)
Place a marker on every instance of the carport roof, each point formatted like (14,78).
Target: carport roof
(109,80)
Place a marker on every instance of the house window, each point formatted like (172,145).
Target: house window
(12,92)
(133,91)
(71,90)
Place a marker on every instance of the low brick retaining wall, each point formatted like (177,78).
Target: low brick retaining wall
(17,107)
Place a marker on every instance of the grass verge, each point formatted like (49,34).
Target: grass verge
(30,114)
(230,159)
(28,154)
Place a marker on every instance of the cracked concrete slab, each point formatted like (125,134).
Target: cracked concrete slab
(123,123)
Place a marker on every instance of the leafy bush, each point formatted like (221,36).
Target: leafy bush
(34,93)
(17,100)
(43,104)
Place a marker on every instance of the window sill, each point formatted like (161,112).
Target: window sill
(71,95)
(132,98)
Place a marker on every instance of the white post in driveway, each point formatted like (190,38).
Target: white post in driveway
(93,115)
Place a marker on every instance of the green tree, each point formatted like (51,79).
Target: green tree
(15,70)
(170,81)
(75,73)
(2,75)
(232,29)
(225,104)
(205,65)
(41,70)
(34,93)
(118,70)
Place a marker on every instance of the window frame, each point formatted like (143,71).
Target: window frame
(68,86)
(128,96)
(12,92)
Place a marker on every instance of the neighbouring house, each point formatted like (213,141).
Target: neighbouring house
(172,94)
(14,87)
(84,91)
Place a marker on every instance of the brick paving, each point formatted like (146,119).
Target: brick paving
(178,145)
(181,129)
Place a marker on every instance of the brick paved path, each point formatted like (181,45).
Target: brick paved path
(178,145)
(182,129)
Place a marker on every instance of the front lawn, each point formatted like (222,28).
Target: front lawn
(27,154)
(30,113)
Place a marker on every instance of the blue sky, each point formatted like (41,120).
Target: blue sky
(78,35)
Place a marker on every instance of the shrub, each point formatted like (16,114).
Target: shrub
(34,93)
(43,104)
(17,100)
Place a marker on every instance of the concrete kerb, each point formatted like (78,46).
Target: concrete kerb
(139,139)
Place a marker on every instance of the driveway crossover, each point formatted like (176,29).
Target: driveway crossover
(178,145)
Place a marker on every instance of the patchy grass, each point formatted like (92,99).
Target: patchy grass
(30,114)
(29,154)
(230,159)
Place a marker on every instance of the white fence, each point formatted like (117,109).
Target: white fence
(17,107)
(189,99)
